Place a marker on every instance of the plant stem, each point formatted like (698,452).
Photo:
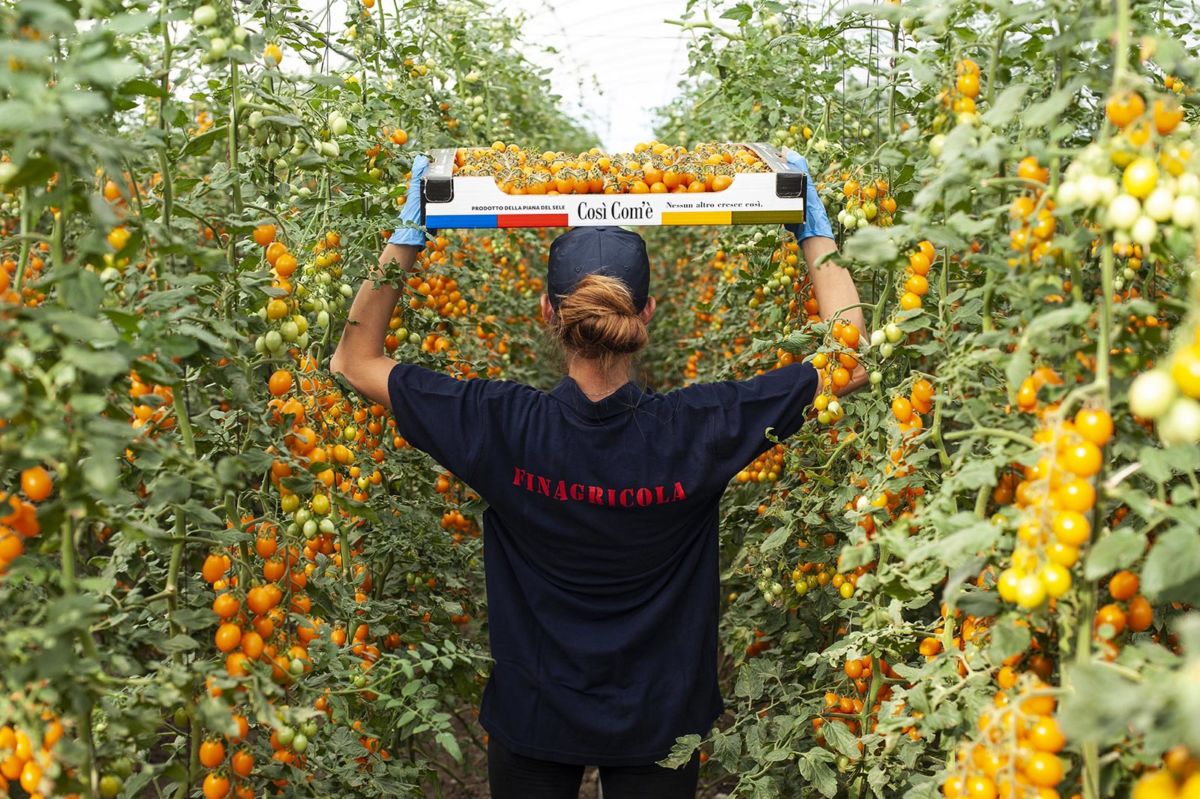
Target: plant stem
(987,324)
(165,85)
(69,586)
(1104,325)
(1083,654)
(56,243)
(992,431)
(1122,56)
(235,187)
(171,589)
(179,401)
(85,731)
(23,259)
(994,61)
(344,541)
(233,514)
(895,83)
(943,276)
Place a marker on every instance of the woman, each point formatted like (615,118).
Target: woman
(600,539)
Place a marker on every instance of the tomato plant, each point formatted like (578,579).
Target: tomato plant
(223,573)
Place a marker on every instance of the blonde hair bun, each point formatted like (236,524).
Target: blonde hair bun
(598,319)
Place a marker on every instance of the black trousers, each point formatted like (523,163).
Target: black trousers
(513,776)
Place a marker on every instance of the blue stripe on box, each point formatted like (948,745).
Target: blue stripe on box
(460,220)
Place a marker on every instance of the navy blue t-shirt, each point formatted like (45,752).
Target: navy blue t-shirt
(600,546)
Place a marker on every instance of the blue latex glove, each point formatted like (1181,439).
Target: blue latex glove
(410,232)
(816,221)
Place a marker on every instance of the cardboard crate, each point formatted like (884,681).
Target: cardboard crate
(470,201)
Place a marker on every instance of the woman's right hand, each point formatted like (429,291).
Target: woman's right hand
(410,232)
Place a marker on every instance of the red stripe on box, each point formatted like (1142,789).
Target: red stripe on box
(531,220)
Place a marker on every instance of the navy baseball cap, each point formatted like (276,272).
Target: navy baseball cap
(610,251)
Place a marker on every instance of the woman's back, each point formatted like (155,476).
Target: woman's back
(600,546)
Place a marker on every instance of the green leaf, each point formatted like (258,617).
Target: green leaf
(16,116)
(142,87)
(1101,704)
(106,71)
(83,103)
(1006,105)
(1008,638)
(169,488)
(202,143)
(871,245)
(83,291)
(127,24)
(1160,464)
(447,741)
(814,767)
(967,540)
(1119,549)
(979,603)
(727,746)
(681,752)
(742,12)
(1045,112)
(180,643)
(841,739)
(105,364)
(776,539)
(100,472)
(751,679)
(1172,570)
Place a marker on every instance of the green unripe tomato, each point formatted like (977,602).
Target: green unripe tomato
(110,785)
(1181,423)
(204,16)
(1151,394)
